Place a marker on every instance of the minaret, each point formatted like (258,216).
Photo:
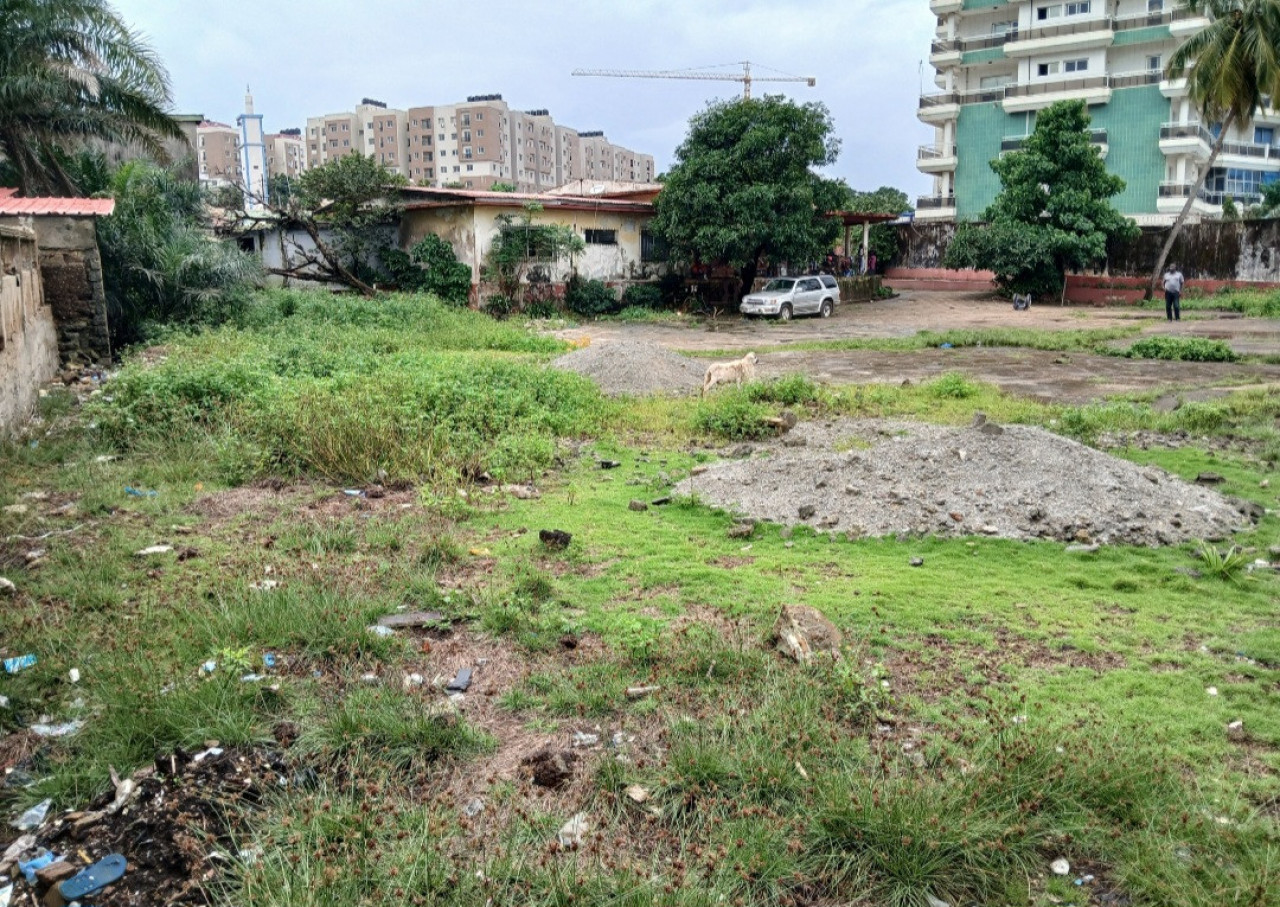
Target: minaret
(253,155)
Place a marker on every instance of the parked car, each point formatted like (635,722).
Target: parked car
(814,294)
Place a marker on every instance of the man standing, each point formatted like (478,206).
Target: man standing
(1173,293)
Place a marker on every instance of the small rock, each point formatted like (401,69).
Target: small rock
(369,678)
(990,530)
(1188,571)
(48,876)
(1060,867)
(582,739)
(935,902)
(410,619)
(16,509)
(609,464)
(1083,549)
(473,808)
(641,691)
(638,506)
(381,631)
(413,680)
(741,451)
(806,511)
(917,562)
(637,794)
(957,516)
(1265,483)
(660,502)
(521,492)
(1212,691)
(991,428)
(572,832)
(789,419)
(698,470)
(1235,729)
(7,587)
(1210,478)
(829,522)
(741,530)
(555,539)
(794,441)
(801,630)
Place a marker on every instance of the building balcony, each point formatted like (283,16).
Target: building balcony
(935,207)
(938,108)
(1097,138)
(945,52)
(1173,195)
(1027,96)
(1186,138)
(945,7)
(1080,35)
(1173,88)
(936,158)
(1183,23)
(1135,79)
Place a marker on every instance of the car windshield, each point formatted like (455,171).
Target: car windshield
(778,284)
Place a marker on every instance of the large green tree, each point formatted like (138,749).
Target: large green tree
(884,238)
(1229,65)
(743,185)
(1053,211)
(73,71)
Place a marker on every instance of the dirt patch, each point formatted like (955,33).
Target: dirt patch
(1011,481)
(260,500)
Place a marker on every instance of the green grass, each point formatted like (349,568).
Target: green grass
(1090,340)
(1004,704)
(1253,303)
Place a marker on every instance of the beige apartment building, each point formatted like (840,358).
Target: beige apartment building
(473,145)
(218,154)
(286,153)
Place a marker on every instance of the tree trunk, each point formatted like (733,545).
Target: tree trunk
(1186,208)
(748,276)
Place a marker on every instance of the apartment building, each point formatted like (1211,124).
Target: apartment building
(997,62)
(218,154)
(286,153)
(472,144)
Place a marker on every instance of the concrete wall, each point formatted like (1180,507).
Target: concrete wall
(71,270)
(28,337)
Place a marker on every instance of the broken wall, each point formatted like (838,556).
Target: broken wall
(71,271)
(28,335)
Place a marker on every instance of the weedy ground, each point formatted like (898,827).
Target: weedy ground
(1003,705)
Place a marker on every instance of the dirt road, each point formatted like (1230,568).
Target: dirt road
(1064,377)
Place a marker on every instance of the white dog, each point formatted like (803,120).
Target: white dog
(739,370)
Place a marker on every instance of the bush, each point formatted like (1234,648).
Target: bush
(430,267)
(734,416)
(789,390)
(1183,349)
(952,386)
(671,288)
(642,296)
(590,298)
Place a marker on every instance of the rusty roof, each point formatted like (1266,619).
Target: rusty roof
(419,197)
(11,205)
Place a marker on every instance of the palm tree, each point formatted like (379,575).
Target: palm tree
(1233,62)
(72,71)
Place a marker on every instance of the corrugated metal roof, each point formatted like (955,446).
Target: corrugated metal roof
(11,205)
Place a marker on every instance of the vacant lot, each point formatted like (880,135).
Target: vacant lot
(211,539)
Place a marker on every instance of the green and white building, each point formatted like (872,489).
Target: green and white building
(997,62)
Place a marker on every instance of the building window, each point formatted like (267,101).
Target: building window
(1047,69)
(601,237)
(1075,65)
(1264,135)
(466,152)
(1155,6)
(470,168)
(653,248)
(1080,8)
(1153,63)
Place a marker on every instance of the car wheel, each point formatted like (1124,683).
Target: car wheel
(825,311)
(784,313)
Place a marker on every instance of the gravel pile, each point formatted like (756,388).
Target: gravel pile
(879,478)
(631,367)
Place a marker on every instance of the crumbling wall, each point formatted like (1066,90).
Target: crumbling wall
(923,245)
(71,270)
(28,336)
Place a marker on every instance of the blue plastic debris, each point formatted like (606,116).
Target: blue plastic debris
(269,659)
(29,868)
(94,879)
(19,663)
(135,493)
(944,346)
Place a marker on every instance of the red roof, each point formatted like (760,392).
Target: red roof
(11,205)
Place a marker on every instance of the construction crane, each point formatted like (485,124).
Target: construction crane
(746,78)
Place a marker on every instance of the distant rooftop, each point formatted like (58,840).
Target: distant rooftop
(11,205)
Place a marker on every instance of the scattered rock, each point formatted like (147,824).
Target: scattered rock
(638,506)
(1210,478)
(806,511)
(641,691)
(550,768)
(699,469)
(632,367)
(583,739)
(473,808)
(1083,549)
(48,876)
(7,587)
(741,451)
(741,530)
(521,492)
(410,620)
(1060,867)
(660,502)
(801,631)
(917,562)
(572,832)
(637,794)
(1235,730)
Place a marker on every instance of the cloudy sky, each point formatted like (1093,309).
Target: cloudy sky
(308,58)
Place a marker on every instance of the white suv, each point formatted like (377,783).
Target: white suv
(815,294)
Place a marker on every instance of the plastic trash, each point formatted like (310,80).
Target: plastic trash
(18,663)
(209,667)
(269,660)
(136,493)
(4,702)
(944,346)
(66,729)
(94,879)
(34,817)
(460,683)
(74,675)
(353,492)
(29,868)
(6,896)
(378,630)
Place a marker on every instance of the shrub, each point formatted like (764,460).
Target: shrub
(1183,349)
(789,390)
(430,267)
(735,416)
(952,386)
(642,296)
(499,306)
(590,298)
(671,288)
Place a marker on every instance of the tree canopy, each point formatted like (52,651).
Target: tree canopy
(72,71)
(743,185)
(1053,211)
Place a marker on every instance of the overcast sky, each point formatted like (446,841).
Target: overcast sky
(308,58)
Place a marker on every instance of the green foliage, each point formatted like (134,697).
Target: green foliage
(952,386)
(73,71)
(590,298)
(430,267)
(789,390)
(1230,211)
(733,415)
(1225,565)
(1184,349)
(228,197)
(642,296)
(743,186)
(521,245)
(345,388)
(1053,211)
(161,265)
(503,187)
(884,238)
